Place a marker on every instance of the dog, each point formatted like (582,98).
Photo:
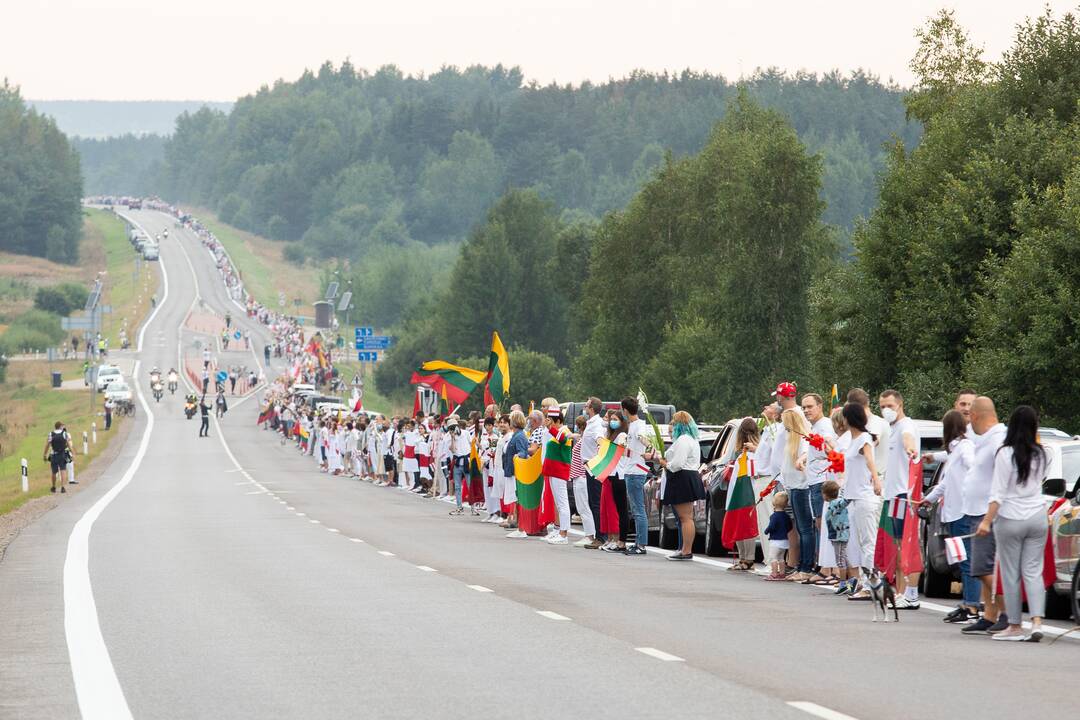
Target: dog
(881,594)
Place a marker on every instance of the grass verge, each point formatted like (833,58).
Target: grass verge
(263,268)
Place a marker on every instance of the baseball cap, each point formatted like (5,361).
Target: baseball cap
(785,389)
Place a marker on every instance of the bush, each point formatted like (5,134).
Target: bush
(295,253)
(61,299)
(34,330)
(277,228)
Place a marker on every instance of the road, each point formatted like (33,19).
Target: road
(226,578)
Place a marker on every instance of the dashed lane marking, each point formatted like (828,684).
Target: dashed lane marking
(425,568)
(819,711)
(481,588)
(386,553)
(551,615)
(659,654)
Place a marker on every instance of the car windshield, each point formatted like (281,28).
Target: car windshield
(1070,467)
(118,387)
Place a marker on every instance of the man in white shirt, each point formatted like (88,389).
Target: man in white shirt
(988,435)
(634,471)
(590,439)
(763,453)
(904,448)
(816,468)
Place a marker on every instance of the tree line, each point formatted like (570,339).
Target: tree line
(40,183)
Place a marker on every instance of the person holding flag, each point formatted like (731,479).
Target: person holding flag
(525,475)
(741,525)
(904,447)
(682,485)
(497,385)
(556,467)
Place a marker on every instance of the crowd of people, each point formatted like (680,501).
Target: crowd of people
(827,477)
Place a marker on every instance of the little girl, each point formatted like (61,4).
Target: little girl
(836,519)
(777,530)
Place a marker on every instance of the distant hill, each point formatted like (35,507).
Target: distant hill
(107,118)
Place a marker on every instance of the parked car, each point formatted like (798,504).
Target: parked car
(661,413)
(151,252)
(118,391)
(106,375)
(1063,479)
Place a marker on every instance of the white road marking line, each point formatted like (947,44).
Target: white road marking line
(480,588)
(659,654)
(315,522)
(97,688)
(425,568)
(819,711)
(551,615)
(333,530)
(289,507)
(256,492)
(300,514)
(356,540)
(386,553)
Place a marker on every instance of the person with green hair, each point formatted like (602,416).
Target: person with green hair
(682,485)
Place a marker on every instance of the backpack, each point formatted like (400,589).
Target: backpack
(58,441)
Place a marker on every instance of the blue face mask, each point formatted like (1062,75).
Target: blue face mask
(614,424)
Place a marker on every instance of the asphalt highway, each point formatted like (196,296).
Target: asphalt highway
(226,578)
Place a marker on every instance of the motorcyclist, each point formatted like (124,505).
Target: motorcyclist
(155,375)
(173,380)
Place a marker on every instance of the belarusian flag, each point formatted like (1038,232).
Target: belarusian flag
(955,552)
(606,460)
(897,506)
(740,514)
(527,473)
(498,374)
(559,452)
(458,381)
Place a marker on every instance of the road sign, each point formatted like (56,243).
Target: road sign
(331,291)
(346,298)
(374,342)
(76,323)
(366,356)
(221,376)
(237,334)
(362,332)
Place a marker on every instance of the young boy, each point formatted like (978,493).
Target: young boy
(777,530)
(836,520)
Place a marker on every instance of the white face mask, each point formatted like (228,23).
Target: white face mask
(889,415)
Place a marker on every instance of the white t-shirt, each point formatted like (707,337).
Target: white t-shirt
(980,477)
(763,466)
(632,462)
(897,471)
(594,430)
(817,460)
(858,484)
(880,430)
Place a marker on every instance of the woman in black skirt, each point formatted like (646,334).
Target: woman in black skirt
(682,486)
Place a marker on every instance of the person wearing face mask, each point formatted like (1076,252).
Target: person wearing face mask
(614,520)
(904,448)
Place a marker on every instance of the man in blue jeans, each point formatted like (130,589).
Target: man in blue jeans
(633,470)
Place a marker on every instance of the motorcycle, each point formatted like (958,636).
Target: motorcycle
(172,387)
(190,407)
(158,391)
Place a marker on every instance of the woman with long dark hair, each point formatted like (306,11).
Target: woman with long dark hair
(862,488)
(1017,516)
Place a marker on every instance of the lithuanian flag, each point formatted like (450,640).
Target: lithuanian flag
(458,381)
(444,403)
(606,460)
(498,374)
(530,488)
(558,453)
(740,515)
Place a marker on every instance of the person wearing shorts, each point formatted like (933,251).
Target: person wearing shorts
(57,451)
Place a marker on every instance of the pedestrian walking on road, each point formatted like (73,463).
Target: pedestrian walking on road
(234,375)
(58,453)
(266,354)
(204,412)
(1016,515)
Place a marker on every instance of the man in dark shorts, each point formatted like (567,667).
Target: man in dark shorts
(57,452)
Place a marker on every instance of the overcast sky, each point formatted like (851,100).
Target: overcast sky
(221,49)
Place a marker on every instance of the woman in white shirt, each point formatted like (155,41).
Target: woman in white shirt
(862,489)
(1017,516)
(682,483)
(798,488)
(957,462)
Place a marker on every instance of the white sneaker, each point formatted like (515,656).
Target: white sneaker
(557,540)
(517,534)
(582,542)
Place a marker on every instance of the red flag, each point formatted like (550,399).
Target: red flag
(910,555)
(416,403)
(1049,572)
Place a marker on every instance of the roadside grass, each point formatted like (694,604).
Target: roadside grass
(28,404)
(373,399)
(262,267)
(28,409)
(129,284)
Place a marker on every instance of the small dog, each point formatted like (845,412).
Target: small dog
(881,594)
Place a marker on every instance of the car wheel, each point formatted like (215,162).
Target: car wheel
(713,546)
(935,584)
(669,539)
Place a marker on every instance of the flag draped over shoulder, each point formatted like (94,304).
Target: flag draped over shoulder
(498,374)
(527,472)
(457,381)
(740,516)
(606,460)
(558,454)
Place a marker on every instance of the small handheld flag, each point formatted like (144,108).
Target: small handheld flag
(955,552)
(606,460)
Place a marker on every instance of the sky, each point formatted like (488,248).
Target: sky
(224,49)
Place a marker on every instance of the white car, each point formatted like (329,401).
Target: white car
(118,392)
(107,375)
(151,252)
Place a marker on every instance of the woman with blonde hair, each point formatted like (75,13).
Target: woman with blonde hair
(798,488)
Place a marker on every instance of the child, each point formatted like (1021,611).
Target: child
(836,519)
(778,528)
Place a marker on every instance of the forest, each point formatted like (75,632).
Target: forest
(40,183)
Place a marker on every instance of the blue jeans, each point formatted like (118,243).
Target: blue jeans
(817,501)
(804,525)
(972,586)
(635,493)
(461,476)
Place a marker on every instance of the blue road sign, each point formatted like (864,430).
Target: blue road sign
(367,356)
(375,342)
(237,334)
(221,376)
(362,332)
